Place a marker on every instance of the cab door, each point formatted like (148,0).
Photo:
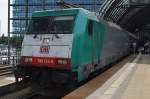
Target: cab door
(92,30)
(96,43)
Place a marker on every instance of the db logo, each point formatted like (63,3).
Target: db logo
(44,49)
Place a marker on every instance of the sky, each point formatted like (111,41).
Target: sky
(3,16)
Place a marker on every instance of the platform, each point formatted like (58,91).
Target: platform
(5,80)
(131,81)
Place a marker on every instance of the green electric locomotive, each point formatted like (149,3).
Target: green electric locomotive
(66,46)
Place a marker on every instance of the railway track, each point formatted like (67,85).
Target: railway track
(21,90)
(6,70)
(37,96)
(15,90)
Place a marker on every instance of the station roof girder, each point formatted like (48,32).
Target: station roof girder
(127,15)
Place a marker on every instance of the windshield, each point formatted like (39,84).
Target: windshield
(51,25)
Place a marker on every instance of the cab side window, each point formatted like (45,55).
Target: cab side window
(90,27)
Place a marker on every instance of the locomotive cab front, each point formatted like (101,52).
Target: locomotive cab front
(48,42)
(46,49)
(53,46)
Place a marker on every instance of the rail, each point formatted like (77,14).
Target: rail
(15,90)
(6,66)
(6,70)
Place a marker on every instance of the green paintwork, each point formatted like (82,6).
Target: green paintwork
(55,13)
(86,49)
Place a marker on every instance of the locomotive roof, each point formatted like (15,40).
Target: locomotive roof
(69,11)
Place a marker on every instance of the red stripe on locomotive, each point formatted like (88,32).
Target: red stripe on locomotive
(64,63)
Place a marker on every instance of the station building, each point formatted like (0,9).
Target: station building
(23,9)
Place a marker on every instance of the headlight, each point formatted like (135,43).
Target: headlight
(61,61)
(28,60)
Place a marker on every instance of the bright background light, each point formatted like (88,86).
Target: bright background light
(3,16)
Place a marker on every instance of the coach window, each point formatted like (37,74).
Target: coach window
(90,27)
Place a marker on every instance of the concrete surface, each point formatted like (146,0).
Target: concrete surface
(133,82)
(5,80)
(91,86)
(139,85)
(115,83)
